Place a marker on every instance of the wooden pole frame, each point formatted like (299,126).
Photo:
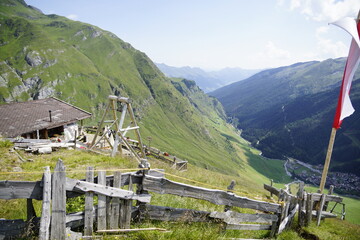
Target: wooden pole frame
(120,132)
(327,159)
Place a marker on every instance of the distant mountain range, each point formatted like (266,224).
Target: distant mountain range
(207,80)
(288,112)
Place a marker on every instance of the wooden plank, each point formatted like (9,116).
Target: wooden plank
(127,208)
(319,210)
(136,179)
(287,205)
(89,205)
(273,229)
(324,214)
(218,197)
(132,116)
(329,198)
(331,191)
(301,202)
(108,211)
(115,203)
(20,190)
(16,228)
(101,215)
(45,209)
(129,128)
(26,140)
(272,190)
(100,126)
(75,220)
(229,188)
(231,217)
(131,230)
(30,210)
(77,185)
(287,219)
(173,214)
(248,227)
(58,213)
(122,215)
(309,207)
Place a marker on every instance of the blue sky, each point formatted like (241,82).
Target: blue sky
(214,34)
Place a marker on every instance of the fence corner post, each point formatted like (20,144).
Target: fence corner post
(89,205)
(45,210)
(58,214)
(229,189)
(301,202)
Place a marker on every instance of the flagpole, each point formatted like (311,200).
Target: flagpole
(336,125)
(327,159)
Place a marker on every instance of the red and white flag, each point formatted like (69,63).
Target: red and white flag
(344,107)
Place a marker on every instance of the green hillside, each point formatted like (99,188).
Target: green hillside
(288,111)
(49,55)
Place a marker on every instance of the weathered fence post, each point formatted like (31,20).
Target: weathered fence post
(140,190)
(309,207)
(287,205)
(229,188)
(319,210)
(331,191)
(31,214)
(45,210)
(115,203)
(101,210)
(89,204)
(58,213)
(127,207)
(271,184)
(300,196)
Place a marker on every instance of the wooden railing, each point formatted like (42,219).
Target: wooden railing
(115,210)
(307,205)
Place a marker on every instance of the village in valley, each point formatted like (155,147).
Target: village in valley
(344,183)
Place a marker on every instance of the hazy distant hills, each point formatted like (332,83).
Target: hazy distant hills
(207,80)
(288,111)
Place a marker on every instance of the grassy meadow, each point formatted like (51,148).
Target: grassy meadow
(249,180)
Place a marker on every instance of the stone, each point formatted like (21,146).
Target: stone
(17,169)
(33,58)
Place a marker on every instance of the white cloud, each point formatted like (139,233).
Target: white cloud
(72,16)
(324,10)
(271,56)
(274,52)
(326,47)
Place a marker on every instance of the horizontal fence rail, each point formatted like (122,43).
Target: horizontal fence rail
(219,197)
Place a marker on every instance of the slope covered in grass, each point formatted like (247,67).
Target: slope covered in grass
(49,55)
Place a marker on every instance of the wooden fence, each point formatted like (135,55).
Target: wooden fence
(114,210)
(307,205)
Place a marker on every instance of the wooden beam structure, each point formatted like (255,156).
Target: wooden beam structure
(117,131)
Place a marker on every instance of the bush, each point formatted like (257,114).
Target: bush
(6,143)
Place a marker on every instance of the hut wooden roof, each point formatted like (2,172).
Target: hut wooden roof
(26,117)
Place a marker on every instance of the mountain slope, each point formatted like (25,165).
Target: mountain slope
(49,55)
(288,111)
